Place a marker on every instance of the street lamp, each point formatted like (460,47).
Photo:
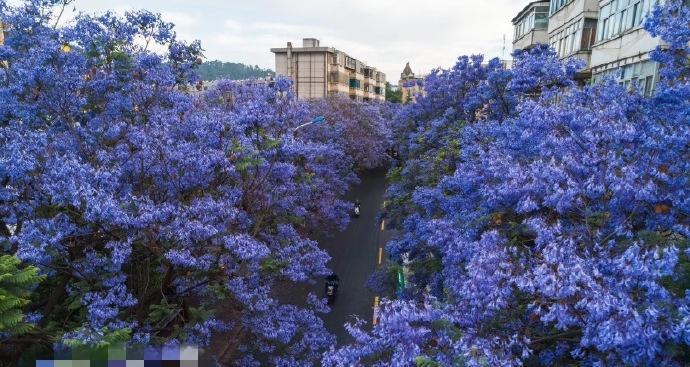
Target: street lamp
(318,120)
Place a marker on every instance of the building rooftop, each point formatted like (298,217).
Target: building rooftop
(408,70)
(304,49)
(527,8)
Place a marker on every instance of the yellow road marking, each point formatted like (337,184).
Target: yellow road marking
(380,255)
(383,225)
(376,310)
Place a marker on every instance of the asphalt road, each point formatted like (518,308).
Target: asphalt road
(355,256)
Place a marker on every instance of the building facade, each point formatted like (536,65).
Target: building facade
(531,26)
(572,30)
(319,72)
(607,35)
(410,84)
(623,46)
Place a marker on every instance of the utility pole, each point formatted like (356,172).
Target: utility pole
(503,53)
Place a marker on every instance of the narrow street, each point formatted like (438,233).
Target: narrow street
(355,254)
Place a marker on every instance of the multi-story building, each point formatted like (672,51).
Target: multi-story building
(319,72)
(623,46)
(572,30)
(531,25)
(410,84)
(608,35)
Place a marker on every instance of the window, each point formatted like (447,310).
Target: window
(648,85)
(537,18)
(350,62)
(557,5)
(541,20)
(573,38)
(641,75)
(588,34)
(618,16)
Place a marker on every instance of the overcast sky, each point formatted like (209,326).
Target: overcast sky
(382,33)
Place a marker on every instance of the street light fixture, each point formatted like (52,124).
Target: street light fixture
(318,120)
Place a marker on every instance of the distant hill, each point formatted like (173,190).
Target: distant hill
(214,70)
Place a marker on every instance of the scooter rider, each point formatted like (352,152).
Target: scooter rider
(332,283)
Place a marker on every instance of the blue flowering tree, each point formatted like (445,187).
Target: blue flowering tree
(546,224)
(159,213)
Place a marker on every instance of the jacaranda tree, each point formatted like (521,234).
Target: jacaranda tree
(549,225)
(160,214)
(361,129)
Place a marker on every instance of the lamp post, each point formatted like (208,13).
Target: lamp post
(318,120)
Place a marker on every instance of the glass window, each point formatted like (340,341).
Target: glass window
(616,25)
(648,86)
(556,5)
(571,46)
(621,15)
(606,11)
(642,75)
(641,12)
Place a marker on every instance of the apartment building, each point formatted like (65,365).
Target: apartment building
(608,35)
(319,72)
(572,30)
(410,84)
(531,25)
(622,45)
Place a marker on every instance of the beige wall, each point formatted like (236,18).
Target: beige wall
(310,74)
(532,38)
(281,65)
(317,73)
(632,44)
(409,93)
(575,10)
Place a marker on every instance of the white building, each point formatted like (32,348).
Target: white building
(572,30)
(608,35)
(319,72)
(623,46)
(531,25)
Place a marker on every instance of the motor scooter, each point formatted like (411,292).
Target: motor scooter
(332,282)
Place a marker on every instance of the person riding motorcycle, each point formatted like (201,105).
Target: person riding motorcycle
(357,208)
(332,283)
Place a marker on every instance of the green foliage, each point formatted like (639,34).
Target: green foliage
(115,337)
(16,284)
(393,96)
(162,312)
(425,362)
(272,266)
(215,70)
